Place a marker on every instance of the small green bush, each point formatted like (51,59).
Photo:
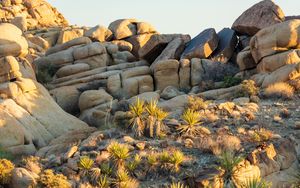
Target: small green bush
(231,81)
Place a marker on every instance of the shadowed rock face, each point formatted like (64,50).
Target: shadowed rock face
(202,46)
(257,17)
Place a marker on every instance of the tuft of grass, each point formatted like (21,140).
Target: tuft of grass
(249,88)
(261,135)
(119,153)
(85,164)
(152,160)
(50,180)
(280,90)
(256,183)
(177,185)
(136,122)
(106,169)
(133,164)
(103,182)
(6,167)
(176,159)
(191,124)
(95,174)
(123,180)
(231,81)
(227,162)
(197,103)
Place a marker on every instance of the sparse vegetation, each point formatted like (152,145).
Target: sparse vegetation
(119,153)
(6,168)
(191,122)
(106,169)
(50,180)
(103,182)
(256,183)
(279,90)
(261,135)
(137,122)
(123,180)
(85,164)
(249,88)
(231,81)
(176,159)
(133,164)
(177,185)
(45,73)
(197,103)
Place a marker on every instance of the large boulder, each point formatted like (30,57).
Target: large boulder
(202,46)
(11,41)
(245,59)
(99,33)
(166,74)
(69,34)
(274,39)
(257,17)
(227,43)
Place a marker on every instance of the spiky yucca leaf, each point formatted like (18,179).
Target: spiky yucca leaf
(118,152)
(191,123)
(256,183)
(152,108)
(106,168)
(137,109)
(177,185)
(137,122)
(85,163)
(95,174)
(176,159)
(123,180)
(103,182)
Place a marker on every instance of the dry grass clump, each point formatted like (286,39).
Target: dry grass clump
(6,168)
(280,90)
(197,103)
(261,135)
(249,88)
(50,180)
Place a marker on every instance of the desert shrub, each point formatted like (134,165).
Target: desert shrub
(119,153)
(249,88)
(103,182)
(256,183)
(231,81)
(177,185)
(197,103)
(32,163)
(227,162)
(106,168)
(191,121)
(85,164)
(176,160)
(133,163)
(123,180)
(279,90)
(6,168)
(152,160)
(50,180)
(45,73)
(95,174)
(261,135)
(137,122)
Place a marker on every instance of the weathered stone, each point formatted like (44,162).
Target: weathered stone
(196,71)
(170,92)
(11,41)
(123,45)
(95,48)
(273,62)
(226,46)
(287,18)
(274,39)
(20,22)
(143,27)
(245,59)
(72,69)
(185,74)
(69,34)
(92,98)
(38,41)
(99,33)
(166,74)
(56,59)
(147,97)
(123,28)
(22,178)
(257,17)
(95,61)
(202,46)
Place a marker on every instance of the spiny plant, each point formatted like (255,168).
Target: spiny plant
(95,174)
(106,169)
(262,135)
(177,185)
(6,168)
(155,119)
(176,159)
(249,88)
(191,123)
(152,160)
(197,103)
(119,153)
(227,162)
(85,164)
(133,164)
(136,122)
(123,180)
(165,159)
(103,182)
(256,183)
(50,180)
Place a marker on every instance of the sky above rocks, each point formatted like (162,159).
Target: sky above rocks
(167,16)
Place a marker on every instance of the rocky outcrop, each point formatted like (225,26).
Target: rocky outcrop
(31,14)
(257,17)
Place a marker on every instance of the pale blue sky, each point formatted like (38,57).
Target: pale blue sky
(167,16)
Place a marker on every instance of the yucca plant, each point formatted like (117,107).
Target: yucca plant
(85,164)
(137,122)
(256,183)
(165,160)
(103,182)
(123,180)
(176,159)
(95,174)
(155,119)
(119,153)
(133,164)
(106,168)
(152,160)
(177,185)
(227,162)
(191,123)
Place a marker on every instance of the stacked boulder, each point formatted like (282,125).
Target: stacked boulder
(25,124)
(269,44)
(30,14)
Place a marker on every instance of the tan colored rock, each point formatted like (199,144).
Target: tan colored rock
(257,17)
(175,103)
(147,97)
(99,33)
(271,63)
(185,74)
(56,59)
(92,98)
(274,39)
(166,74)
(95,48)
(143,27)
(22,178)
(196,71)
(201,46)
(245,59)
(69,34)
(96,61)
(114,85)
(123,28)
(72,69)
(123,45)
(20,22)
(38,41)
(11,41)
